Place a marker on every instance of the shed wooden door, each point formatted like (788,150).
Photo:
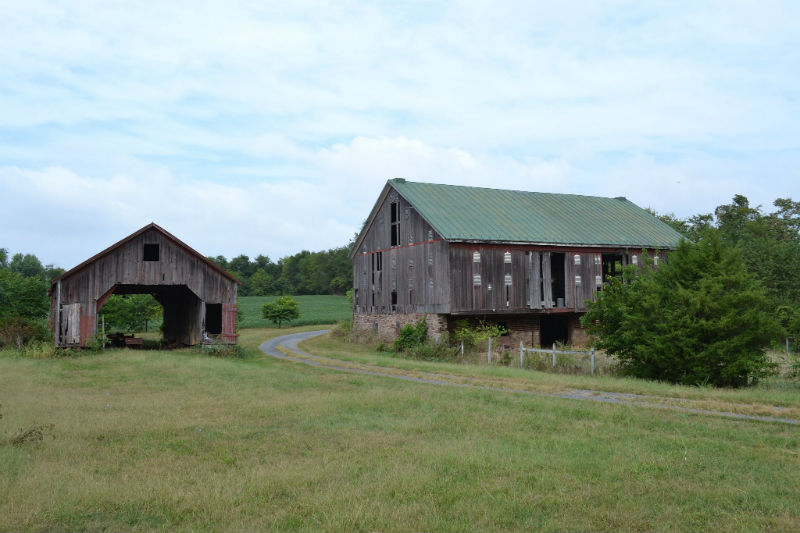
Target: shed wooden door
(229,323)
(70,324)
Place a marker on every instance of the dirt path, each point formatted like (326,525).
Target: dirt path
(286,347)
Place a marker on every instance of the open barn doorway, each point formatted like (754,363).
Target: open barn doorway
(181,316)
(555,329)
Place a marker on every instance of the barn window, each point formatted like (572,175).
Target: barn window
(430,234)
(151,252)
(577,280)
(598,280)
(598,260)
(379,261)
(476,280)
(577,259)
(410,264)
(476,257)
(410,283)
(655,260)
(507,257)
(395,224)
(430,259)
(430,283)
(635,259)
(407,213)
(508,279)
(394,300)
(410,238)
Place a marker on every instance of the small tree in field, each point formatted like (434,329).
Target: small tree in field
(700,318)
(281,310)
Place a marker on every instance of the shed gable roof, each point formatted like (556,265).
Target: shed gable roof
(189,250)
(476,214)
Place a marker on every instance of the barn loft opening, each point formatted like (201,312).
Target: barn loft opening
(214,318)
(558,278)
(611,266)
(151,252)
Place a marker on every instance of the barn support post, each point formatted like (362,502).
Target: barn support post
(554,355)
(57,321)
(521,354)
(103,319)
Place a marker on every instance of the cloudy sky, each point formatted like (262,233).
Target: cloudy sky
(266,127)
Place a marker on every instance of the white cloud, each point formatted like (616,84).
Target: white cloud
(268,128)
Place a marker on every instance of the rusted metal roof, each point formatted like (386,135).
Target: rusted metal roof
(135,234)
(478,214)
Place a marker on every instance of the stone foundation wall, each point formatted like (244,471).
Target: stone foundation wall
(386,327)
(578,336)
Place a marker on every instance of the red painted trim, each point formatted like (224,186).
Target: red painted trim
(545,248)
(102,300)
(401,247)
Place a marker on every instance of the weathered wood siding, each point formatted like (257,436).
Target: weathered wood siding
(415,269)
(125,266)
(480,273)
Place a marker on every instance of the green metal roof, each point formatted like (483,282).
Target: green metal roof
(478,214)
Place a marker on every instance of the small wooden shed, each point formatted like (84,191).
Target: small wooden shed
(198,296)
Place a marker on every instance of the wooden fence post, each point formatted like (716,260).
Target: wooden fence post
(554,355)
(521,354)
(462,351)
(593,360)
(490,350)
(103,316)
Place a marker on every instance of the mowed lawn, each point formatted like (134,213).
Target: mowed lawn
(314,309)
(185,441)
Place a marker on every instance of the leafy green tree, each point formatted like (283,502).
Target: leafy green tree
(699,318)
(3,257)
(130,312)
(284,309)
(261,283)
(23,306)
(21,296)
(28,265)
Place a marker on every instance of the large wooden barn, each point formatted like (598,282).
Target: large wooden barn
(198,297)
(528,261)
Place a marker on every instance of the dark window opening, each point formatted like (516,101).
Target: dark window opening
(395,224)
(554,329)
(411,297)
(151,252)
(611,266)
(214,319)
(379,261)
(557,278)
(394,300)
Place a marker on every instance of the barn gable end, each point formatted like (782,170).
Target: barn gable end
(198,297)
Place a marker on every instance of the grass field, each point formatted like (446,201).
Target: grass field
(314,309)
(149,440)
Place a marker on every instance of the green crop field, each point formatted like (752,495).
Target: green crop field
(314,309)
(181,440)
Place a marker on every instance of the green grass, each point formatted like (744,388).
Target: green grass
(776,396)
(314,309)
(156,441)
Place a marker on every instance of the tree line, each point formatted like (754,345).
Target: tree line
(324,272)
